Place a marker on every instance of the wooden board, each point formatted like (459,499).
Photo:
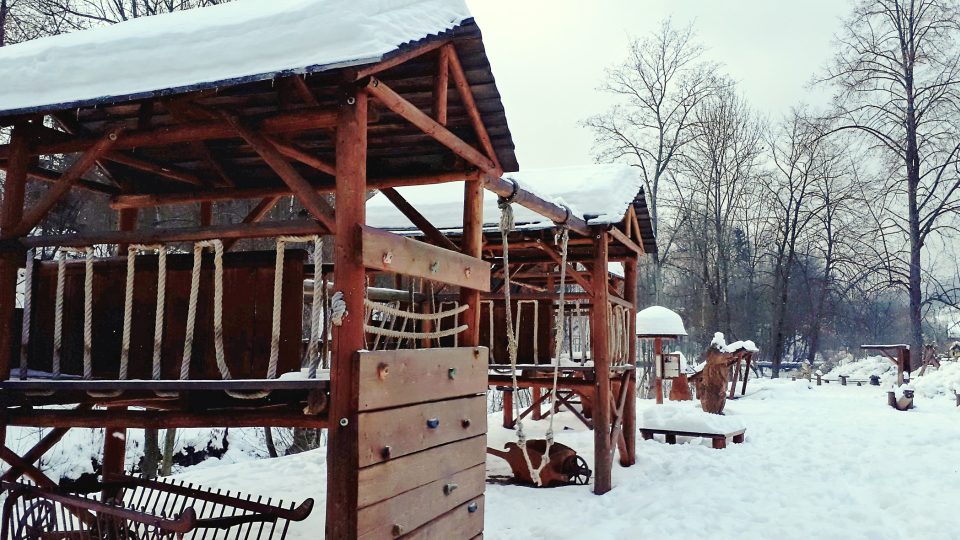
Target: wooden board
(394,253)
(390,478)
(405,430)
(247,316)
(412,509)
(404,377)
(464,521)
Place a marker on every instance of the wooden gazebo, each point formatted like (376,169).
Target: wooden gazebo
(253,101)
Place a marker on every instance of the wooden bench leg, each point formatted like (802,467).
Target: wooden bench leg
(671,438)
(737,439)
(719,443)
(646,435)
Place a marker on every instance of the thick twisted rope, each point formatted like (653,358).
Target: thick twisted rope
(400,334)
(278,300)
(192,309)
(88,315)
(58,313)
(158,316)
(27,309)
(316,308)
(397,312)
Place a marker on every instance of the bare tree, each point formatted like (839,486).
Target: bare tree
(659,86)
(897,73)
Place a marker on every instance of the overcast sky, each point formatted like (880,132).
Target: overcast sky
(549,57)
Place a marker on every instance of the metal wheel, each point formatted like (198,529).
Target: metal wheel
(38,517)
(577,471)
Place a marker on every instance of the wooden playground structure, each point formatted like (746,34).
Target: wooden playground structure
(175,327)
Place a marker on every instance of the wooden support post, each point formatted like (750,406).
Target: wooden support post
(115,438)
(630,408)
(10,261)
(507,408)
(343,447)
(472,246)
(206,214)
(657,368)
(599,340)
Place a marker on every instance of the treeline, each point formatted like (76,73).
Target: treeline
(817,231)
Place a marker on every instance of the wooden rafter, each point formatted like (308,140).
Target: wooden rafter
(436,237)
(256,215)
(47,175)
(577,276)
(466,96)
(441,84)
(398,59)
(69,178)
(308,197)
(293,151)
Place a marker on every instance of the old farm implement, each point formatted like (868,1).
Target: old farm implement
(138,509)
(564,466)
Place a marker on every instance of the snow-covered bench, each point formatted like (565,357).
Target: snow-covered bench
(673,420)
(719,439)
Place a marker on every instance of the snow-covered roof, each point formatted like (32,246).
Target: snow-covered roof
(242,41)
(659,321)
(600,194)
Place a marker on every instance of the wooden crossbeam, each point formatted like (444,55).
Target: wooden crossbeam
(151,200)
(398,59)
(396,103)
(42,447)
(173,173)
(625,240)
(466,96)
(256,215)
(303,190)
(279,416)
(283,122)
(293,151)
(33,473)
(47,175)
(577,276)
(418,220)
(185,234)
(61,187)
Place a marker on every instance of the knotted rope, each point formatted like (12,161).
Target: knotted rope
(27,309)
(316,308)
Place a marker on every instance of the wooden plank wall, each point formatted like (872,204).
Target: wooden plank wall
(525,349)
(247,308)
(422,430)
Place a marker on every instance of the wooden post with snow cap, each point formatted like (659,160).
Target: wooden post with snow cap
(659,323)
(599,348)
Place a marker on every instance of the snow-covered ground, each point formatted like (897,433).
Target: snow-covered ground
(828,461)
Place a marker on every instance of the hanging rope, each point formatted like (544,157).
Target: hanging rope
(506,225)
(389,310)
(316,309)
(27,309)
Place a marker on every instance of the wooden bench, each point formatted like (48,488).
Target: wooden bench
(719,439)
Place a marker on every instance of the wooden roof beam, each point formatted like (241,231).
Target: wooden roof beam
(213,195)
(63,185)
(303,190)
(491,177)
(466,96)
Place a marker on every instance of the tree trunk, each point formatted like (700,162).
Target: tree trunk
(916,241)
(151,453)
(169,441)
(268,437)
(3,22)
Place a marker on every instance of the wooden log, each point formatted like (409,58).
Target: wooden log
(293,151)
(283,122)
(151,200)
(29,469)
(420,222)
(627,242)
(397,59)
(184,234)
(393,253)
(42,447)
(441,84)
(166,171)
(630,408)
(11,210)
(550,210)
(599,340)
(69,178)
(314,203)
(47,175)
(466,96)
(472,247)
(396,103)
(343,446)
(256,215)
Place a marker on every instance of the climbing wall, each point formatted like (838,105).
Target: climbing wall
(422,443)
